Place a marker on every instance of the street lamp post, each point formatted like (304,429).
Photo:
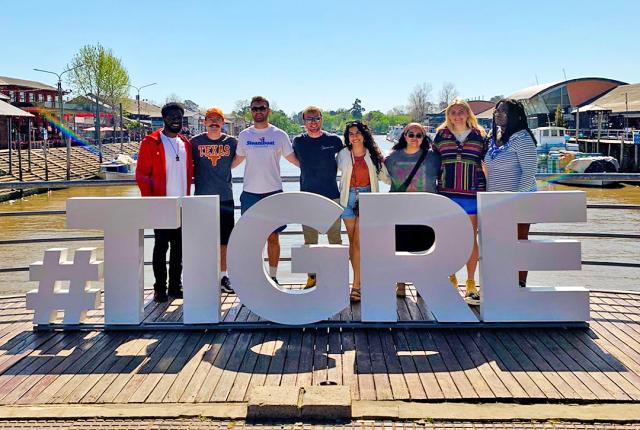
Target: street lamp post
(138,100)
(64,139)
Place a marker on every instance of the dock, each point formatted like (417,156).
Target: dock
(594,366)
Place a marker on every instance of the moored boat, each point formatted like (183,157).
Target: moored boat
(121,167)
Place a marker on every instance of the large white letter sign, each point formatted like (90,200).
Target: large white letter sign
(382,266)
(201,259)
(123,220)
(331,262)
(503,255)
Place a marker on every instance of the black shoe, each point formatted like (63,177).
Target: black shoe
(175,294)
(522,284)
(275,280)
(160,297)
(225,285)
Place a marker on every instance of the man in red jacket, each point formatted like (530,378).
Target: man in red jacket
(165,168)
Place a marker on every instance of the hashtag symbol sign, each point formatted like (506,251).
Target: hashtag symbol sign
(50,297)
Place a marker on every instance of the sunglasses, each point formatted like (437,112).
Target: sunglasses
(411,135)
(258,108)
(313,119)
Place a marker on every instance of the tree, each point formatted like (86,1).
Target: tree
(496,99)
(242,109)
(173,97)
(448,92)
(357,109)
(98,72)
(559,117)
(191,105)
(398,110)
(420,102)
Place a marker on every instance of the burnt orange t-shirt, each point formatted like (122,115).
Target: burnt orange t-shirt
(360,173)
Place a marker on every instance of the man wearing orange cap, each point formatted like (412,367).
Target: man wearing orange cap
(213,152)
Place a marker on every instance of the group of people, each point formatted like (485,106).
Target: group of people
(461,161)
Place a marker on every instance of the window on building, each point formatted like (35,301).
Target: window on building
(545,133)
(40,97)
(22,97)
(554,133)
(12,96)
(561,132)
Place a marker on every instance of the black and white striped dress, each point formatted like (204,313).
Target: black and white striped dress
(513,169)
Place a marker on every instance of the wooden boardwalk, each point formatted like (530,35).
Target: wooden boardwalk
(596,364)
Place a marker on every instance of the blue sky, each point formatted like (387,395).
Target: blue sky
(328,52)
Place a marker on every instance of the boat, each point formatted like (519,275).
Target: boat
(557,155)
(121,167)
(393,135)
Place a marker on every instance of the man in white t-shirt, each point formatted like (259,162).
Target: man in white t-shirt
(165,168)
(262,145)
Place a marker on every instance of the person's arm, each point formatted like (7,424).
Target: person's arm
(287,150)
(528,160)
(143,169)
(291,158)
(237,160)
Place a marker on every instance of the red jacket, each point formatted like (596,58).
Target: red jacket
(151,170)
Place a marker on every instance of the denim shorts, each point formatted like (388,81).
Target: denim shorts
(348,211)
(469,204)
(248,199)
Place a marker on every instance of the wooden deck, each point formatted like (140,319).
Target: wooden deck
(595,364)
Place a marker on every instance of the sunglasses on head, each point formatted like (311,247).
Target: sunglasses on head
(411,135)
(258,108)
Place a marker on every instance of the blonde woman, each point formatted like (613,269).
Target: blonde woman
(460,143)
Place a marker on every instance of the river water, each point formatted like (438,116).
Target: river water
(594,277)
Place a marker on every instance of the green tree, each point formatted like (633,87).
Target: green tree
(559,118)
(100,73)
(357,109)
(281,120)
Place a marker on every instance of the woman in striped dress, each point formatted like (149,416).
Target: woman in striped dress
(460,142)
(511,158)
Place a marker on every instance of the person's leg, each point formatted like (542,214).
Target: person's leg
(334,235)
(310,238)
(175,262)
(472,263)
(523,234)
(350,224)
(159,260)
(273,251)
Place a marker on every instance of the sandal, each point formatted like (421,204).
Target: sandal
(354,296)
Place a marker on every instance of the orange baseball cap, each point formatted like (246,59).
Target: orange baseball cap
(214,111)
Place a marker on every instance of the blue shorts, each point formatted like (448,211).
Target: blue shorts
(248,199)
(469,204)
(348,211)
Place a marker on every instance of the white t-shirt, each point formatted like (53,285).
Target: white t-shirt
(262,149)
(176,169)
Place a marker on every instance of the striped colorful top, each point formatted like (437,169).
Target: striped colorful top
(514,166)
(461,163)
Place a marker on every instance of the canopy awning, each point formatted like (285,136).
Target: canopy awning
(590,108)
(9,110)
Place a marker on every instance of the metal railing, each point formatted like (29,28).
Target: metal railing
(10,242)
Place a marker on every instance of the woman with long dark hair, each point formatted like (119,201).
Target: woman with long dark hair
(361,164)
(460,142)
(413,167)
(511,158)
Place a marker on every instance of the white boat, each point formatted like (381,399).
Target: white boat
(121,167)
(553,139)
(394,133)
(591,164)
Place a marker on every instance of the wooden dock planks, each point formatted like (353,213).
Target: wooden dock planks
(596,364)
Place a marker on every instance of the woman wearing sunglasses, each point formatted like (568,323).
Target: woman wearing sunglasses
(361,164)
(511,158)
(413,167)
(460,143)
